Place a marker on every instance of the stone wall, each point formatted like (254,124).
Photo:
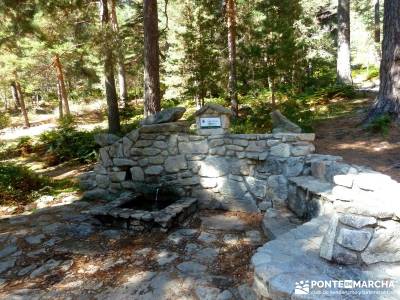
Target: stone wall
(365,228)
(363,207)
(231,171)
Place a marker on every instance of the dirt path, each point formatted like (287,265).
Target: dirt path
(345,137)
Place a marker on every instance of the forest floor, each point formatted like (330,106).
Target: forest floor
(344,136)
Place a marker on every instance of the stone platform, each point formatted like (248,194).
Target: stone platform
(295,256)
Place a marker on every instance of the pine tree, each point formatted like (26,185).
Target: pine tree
(232,86)
(123,90)
(388,100)
(109,80)
(343,52)
(152,94)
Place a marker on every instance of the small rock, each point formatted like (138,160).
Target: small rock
(246,292)
(354,239)
(105,139)
(45,268)
(112,234)
(356,221)
(36,253)
(8,251)
(254,237)
(35,239)
(225,295)
(144,252)
(90,269)
(207,238)
(6,265)
(191,248)
(280,150)
(206,255)
(111,262)
(190,267)
(231,239)
(164,116)
(80,230)
(66,265)
(283,124)
(27,270)
(207,293)
(165,257)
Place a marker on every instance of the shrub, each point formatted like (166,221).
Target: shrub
(18,184)
(5,121)
(67,143)
(380,124)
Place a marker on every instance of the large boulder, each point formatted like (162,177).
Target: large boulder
(165,116)
(282,124)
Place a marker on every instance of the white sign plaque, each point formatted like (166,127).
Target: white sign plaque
(210,122)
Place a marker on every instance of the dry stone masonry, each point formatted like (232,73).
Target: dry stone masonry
(319,210)
(230,171)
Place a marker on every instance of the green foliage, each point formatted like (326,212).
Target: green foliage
(380,125)
(67,143)
(368,73)
(5,120)
(281,44)
(22,146)
(200,41)
(18,184)
(304,109)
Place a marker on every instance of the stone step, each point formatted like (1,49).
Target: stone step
(277,222)
(309,197)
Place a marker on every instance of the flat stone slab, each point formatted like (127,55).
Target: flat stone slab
(277,222)
(312,184)
(223,222)
(190,267)
(295,256)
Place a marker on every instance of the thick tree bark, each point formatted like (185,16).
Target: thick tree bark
(109,80)
(123,91)
(343,54)
(377,22)
(388,100)
(61,83)
(22,103)
(60,101)
(232,85)
(152,94)
(14,93)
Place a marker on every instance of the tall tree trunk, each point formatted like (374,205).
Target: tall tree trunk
(232,85)
(388,100)
(152,94)
(61,82)
(271,82)
(5,100)
(22,102)
(343,54)
(60,101)
(14,93)
(123,91)
(377,23)
(109,81)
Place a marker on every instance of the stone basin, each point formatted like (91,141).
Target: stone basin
(139,213)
